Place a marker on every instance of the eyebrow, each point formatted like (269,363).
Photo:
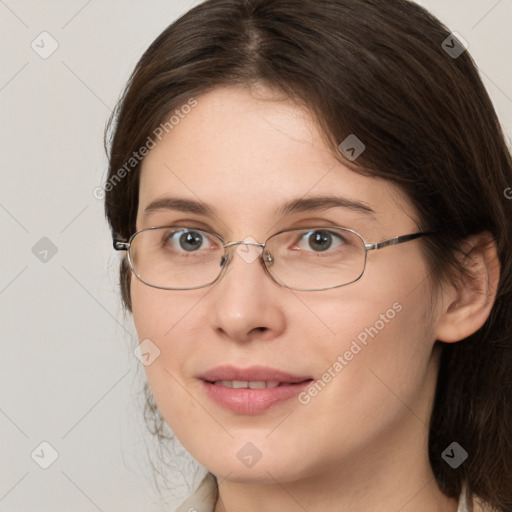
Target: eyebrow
(299,205)
(316,203)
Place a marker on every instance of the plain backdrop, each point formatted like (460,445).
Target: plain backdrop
(68,377)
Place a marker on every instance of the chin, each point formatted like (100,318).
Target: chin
(262,471)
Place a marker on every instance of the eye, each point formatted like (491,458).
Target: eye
(188,240)
(321,240)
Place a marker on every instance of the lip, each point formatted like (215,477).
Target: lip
(253,373)
(251,401)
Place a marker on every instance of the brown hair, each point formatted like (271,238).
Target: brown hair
(377,69)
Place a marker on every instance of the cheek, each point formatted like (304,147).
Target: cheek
(156,312)
(379,358)
(156,315)
(162,317)
(379,344)
(169,320)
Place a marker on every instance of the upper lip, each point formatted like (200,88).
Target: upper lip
(251,374)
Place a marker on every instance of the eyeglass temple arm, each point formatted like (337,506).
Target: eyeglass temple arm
(396,240)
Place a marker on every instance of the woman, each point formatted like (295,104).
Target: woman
(312,197)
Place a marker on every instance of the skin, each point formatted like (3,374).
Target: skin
(361,443)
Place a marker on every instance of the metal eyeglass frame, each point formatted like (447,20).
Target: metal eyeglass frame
(123,245)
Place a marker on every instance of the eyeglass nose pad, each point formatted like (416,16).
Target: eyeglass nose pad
(267,257)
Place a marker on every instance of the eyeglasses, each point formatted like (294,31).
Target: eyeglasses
(306,259)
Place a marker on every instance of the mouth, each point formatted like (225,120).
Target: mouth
(253,390)
(255,376)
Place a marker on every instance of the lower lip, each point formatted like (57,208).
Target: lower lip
(252,401)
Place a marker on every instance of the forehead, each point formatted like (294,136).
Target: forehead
(249,153)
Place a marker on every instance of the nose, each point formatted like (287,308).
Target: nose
(245,302)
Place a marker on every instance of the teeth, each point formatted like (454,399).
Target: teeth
(243,384)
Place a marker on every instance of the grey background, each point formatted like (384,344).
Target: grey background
(68,376)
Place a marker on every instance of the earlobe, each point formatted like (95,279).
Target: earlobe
(468,303)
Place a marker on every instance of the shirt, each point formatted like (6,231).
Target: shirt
(206,494)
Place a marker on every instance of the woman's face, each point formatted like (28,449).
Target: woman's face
(369,344)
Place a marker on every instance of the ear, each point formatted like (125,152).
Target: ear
(467,303)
